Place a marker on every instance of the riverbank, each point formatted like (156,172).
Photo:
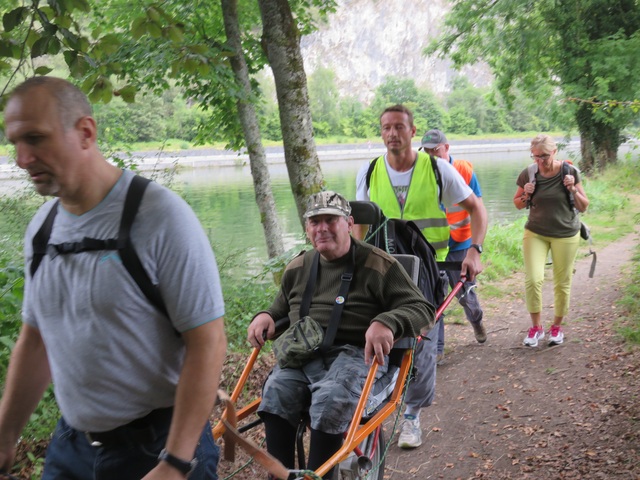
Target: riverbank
(209,157)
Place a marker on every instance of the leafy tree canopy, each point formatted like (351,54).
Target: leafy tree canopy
(116,48)
(587,49)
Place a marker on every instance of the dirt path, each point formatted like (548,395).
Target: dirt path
(503,410)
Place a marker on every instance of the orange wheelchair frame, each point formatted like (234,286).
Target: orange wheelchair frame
(358,431)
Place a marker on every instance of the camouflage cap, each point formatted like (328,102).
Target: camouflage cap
(327,203)
(433,138)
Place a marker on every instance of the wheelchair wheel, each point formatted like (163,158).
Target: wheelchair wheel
(370,466)
(374,449)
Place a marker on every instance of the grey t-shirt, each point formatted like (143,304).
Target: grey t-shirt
(113,356)
(550,213)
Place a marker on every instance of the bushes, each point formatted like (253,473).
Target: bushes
(150,119)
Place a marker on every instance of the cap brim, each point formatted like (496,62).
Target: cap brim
(325,211)
(430,145)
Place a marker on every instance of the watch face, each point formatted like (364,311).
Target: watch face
(477,247)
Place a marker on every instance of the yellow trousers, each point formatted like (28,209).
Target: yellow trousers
(563,254)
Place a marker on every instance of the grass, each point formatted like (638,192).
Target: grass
(629,324)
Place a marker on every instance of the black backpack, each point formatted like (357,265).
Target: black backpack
(122,244)
(404,236)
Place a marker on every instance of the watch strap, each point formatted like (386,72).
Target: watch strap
(477,246)
(183,466)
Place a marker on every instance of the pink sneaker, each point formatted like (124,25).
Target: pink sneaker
(556,337)
(535,334)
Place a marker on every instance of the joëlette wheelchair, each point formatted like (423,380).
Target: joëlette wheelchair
(363,451)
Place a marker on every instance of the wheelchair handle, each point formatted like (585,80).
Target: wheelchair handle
(456,288)
(280,325)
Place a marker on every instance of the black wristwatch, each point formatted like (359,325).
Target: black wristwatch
(179,464)
(477,246)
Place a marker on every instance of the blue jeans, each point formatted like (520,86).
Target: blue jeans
(71,457)
(469,302)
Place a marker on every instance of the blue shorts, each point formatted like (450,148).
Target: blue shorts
(328,387)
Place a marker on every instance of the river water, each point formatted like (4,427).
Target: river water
(223,197)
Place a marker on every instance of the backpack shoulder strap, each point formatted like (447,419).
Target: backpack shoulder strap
(41,239)
(532,169)
(127,252)
(372,165)
(566,169)
(434,165)
(123,244)
(436,172)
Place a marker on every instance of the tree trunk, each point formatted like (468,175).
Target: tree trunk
(583,119)
(606,142)
(587,163)
(281,41)
(599,141)
(251,129)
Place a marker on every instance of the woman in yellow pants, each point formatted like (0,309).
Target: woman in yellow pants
(554,199)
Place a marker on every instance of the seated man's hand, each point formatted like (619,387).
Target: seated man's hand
(379,340)
(261,328)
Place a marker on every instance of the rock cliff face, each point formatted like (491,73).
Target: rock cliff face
(366,41)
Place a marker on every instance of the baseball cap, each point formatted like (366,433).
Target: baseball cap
(327,203)
(433,138)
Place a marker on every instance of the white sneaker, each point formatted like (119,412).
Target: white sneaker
(410,433)
(535,334)
(556,337)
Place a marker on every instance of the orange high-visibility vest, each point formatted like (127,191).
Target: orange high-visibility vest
(458,218)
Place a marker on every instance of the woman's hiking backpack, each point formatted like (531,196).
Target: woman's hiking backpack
(585,231)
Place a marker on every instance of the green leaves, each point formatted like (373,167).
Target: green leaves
(158,24)
(128,93)
(44,46)
(14,18)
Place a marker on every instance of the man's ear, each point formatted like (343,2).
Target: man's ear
(87,130)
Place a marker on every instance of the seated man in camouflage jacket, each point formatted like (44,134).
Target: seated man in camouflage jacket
(382,305)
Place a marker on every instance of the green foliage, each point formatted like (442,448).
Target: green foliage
(503,250)
(428,112)
(586,50)
(16,212)
(467,108)
(323,101)
(151,119)
(356,120)
(44,418)
(242,302)
(11,284)
(461,122)
(629,327)
(394,90)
